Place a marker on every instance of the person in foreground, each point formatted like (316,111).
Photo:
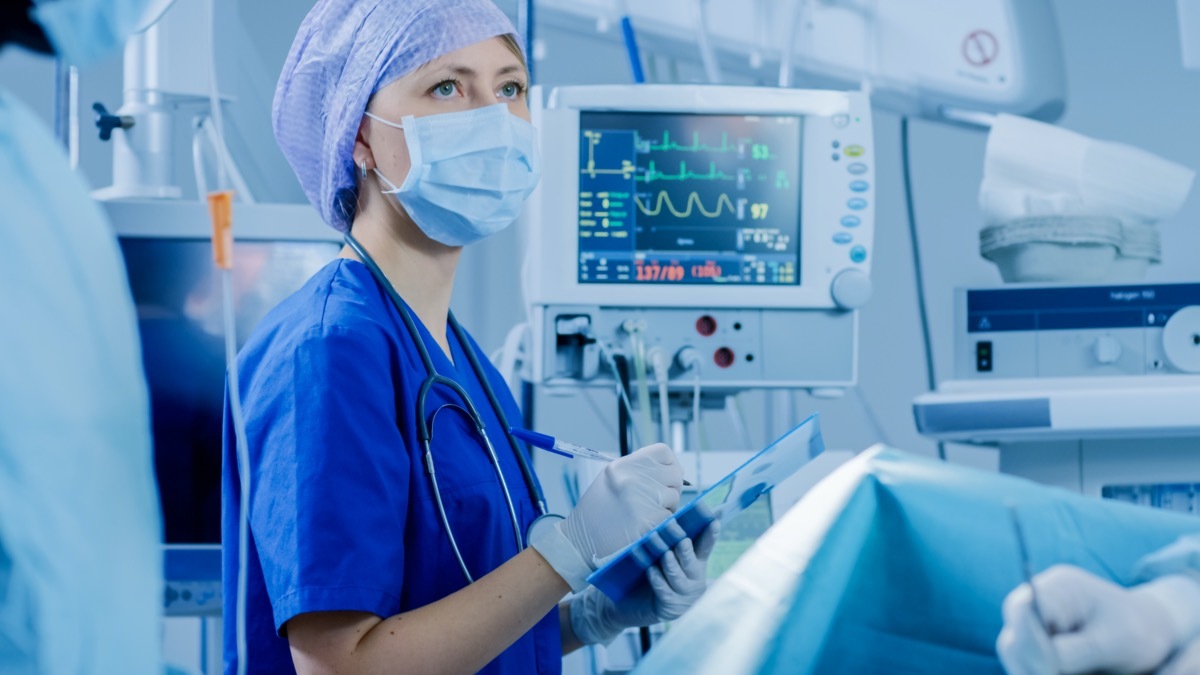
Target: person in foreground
(394,525)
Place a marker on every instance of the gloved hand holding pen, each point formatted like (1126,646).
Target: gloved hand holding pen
(629,497)
(1094,625)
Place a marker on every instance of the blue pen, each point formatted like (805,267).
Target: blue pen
(563,448)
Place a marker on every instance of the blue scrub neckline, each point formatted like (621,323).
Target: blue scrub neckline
(448,362)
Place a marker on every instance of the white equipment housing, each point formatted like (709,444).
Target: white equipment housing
(768,238)
(942,59)
(1091,388)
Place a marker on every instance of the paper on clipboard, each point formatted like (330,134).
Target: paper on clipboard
(724,501)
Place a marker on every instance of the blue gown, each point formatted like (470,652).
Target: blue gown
(80,533)
(342,515)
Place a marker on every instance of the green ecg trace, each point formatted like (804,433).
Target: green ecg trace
(653,174)
(668,145)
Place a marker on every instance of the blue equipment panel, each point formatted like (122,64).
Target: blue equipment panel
(1071,308)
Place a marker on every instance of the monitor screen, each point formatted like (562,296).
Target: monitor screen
(667,198)
(178,299)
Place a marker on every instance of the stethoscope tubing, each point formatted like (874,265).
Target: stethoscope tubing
(424,426)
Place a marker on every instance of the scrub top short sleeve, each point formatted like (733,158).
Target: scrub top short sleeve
(343,516)
(321,487)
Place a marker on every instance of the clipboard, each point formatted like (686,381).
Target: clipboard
(725,500)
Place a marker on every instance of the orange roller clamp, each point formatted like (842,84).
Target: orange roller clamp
(220,207)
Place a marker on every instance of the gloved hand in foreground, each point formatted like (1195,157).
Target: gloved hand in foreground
(676,582)
(1095,625)
(632,495)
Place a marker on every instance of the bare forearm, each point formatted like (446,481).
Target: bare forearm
(460,633)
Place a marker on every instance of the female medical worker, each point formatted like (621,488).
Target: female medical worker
(389,510)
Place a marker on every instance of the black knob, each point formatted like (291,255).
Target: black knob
(106,121)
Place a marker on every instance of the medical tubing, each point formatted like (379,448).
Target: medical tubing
(225,160)
(631,46)
(198,162)
(787,50)
(214,94)
(658,360)
(620,366)
(701,441)
(243,460)
(872,416)
(708,55)
(437,495)
(367,260)
(737,417)
(531,482)
(918,274)
(639,371)
(525,19)
(622,388)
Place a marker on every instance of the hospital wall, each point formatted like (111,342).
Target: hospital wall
(1125,83)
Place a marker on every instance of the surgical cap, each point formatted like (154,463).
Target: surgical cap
(345,51)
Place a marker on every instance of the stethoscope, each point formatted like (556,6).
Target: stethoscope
(425,424)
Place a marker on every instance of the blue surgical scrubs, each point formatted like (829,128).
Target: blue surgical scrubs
(342,512)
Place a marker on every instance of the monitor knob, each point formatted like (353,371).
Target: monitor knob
(851,289)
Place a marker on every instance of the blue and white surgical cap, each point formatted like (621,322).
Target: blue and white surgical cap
(345,51)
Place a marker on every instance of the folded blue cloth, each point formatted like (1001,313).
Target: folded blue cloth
(900,564)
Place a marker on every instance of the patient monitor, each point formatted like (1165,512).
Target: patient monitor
(737,221)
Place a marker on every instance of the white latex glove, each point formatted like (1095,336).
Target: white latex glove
(1095,625)
(676,582)
(632,495)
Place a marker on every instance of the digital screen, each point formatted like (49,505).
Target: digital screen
(689,199)
(178,300)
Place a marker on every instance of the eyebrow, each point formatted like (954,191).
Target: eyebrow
(465,71)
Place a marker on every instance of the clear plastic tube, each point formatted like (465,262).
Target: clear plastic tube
(787,51)
(737,417)
(214,94)
(643,385)
(708,55)
(701,437)
(658,360)
(239,427)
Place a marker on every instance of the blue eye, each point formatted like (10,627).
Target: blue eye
(445,89)
(512,90)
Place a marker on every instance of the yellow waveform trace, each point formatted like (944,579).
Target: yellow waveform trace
(693,201)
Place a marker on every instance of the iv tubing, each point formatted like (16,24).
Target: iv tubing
(658,360)
(643,386)
(239,426)
(708,55)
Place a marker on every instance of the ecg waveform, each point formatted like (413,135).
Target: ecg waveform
(693,201)
(653,173)
(668,145)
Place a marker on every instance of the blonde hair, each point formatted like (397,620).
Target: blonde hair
(510,41)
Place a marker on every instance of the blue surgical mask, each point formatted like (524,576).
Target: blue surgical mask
(471,172)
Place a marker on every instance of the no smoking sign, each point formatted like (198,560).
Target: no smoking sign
(980,48)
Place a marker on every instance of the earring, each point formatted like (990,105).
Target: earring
(364,168)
